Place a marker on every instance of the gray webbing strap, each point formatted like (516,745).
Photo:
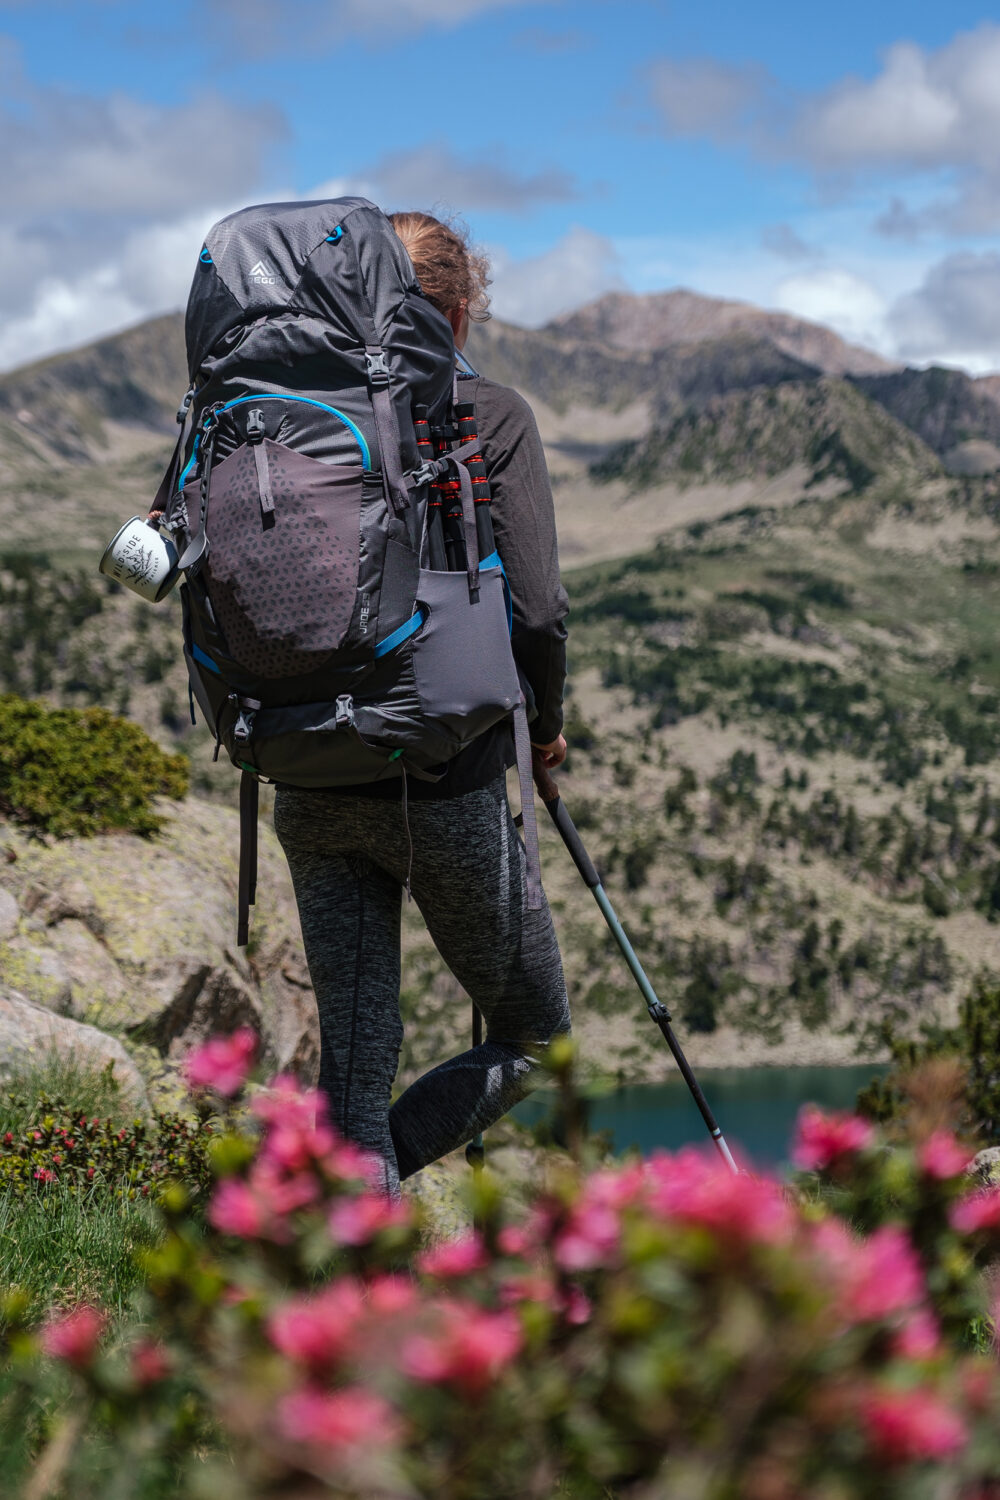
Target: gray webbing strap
(532,860)
(247,889)
(196,548)
(264,483)
(166,493)
(256,439)
(387,428)
(469,528)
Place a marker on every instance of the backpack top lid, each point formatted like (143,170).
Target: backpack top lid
(336,259)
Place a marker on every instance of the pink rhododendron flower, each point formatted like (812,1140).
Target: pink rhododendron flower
(235,1210)
(315,1331)
(150,1363)
(821,1139)
(919,1337)
(347,1418)
(577,1307)
(389,1295)
(528,1286)
(977,1212)
(469,1348)
(458,1257)
(872,1278)
(696,1189)
(942,1157)
(73,1337)
(223,1063)
(354,1221)
(906,1426)
(513,1240)
(589,1239)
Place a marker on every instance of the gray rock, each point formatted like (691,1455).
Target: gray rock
(38,972)
(72,899)
(185,1000)
(30,1034)
(141,936)
(985,1165)
(9,915)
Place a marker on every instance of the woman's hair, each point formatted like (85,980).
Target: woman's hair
(449,270)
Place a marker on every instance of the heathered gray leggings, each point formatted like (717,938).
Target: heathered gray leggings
(349,857)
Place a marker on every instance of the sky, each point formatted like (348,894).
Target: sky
(839,163)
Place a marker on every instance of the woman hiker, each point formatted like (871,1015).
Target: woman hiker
(348,849)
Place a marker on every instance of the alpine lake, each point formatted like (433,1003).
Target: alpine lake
(756,1109)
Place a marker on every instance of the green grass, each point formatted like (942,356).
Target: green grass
(59,1083)
(62,1248)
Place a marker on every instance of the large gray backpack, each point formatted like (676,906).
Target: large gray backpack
(345,614)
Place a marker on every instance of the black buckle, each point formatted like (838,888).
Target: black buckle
(378,370)
(345,712)
(255,426)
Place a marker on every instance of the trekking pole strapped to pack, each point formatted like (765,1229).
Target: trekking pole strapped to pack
(549,793)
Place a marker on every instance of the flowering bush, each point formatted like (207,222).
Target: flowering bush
(73,1154)
(656,1328)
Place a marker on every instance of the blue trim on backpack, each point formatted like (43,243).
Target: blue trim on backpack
(190,463)
(206,661)
(307,401)
(493,561)
(205,257)
(336,236)
(400,634)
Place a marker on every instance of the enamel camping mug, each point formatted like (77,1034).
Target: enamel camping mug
(141,559)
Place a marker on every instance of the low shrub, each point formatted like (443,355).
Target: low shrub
(649,1328)
(973,1045)
(69,771)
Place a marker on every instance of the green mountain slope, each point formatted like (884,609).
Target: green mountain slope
(827,425)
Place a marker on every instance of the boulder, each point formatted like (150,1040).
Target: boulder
(30,1034)
(139,936)
(985,1166)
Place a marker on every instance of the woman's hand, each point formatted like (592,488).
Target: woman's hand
(552,754)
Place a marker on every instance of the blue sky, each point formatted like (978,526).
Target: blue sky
(844,167)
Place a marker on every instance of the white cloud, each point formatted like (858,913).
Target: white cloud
(67,154)
(581,266)
(434,178)
(953,317)
(931,114)
(845,302)
(106,202)
(149,273)
(702,97)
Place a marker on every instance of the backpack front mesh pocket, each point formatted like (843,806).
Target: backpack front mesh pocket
(283,581)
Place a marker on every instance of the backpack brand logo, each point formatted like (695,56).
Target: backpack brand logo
(262,274)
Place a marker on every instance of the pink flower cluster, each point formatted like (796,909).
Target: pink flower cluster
(871,1279)
(223,1063)
(821,1140)
(467,1347)
(300,1160)
(978,1213)
(941,1156)
(699,1190)
(74,1337)
(338,1421)
(907,1426)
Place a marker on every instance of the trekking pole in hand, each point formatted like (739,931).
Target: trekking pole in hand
(549,793)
